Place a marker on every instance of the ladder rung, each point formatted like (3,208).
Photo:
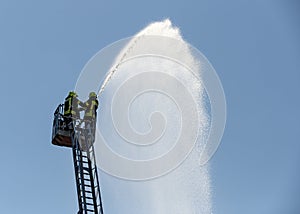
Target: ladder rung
(82,161)
(87,197)
(90,204)
(87,185)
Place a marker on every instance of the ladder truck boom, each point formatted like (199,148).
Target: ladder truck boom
(80,139)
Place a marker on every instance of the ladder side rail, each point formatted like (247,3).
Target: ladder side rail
(93,187)
(98,191)
(76,167)
(77,170)
(81,171)
(96,177)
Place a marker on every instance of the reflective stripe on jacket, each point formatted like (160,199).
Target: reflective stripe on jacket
(91,108)
(71,106)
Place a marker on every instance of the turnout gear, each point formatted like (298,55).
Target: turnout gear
(71,108)
(90,115)
(91,106)
(71,105)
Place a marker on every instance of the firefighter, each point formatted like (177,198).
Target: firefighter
(71,109)
(90,115)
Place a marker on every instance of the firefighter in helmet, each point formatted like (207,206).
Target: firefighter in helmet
(71,109)
(90,115)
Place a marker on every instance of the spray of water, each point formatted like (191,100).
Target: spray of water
(185,189)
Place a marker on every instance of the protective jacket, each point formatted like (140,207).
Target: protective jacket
(71,107)
(91,106)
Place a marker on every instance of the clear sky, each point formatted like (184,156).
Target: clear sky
(253,45)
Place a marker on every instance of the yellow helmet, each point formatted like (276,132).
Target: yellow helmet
(72,94)
(92,94)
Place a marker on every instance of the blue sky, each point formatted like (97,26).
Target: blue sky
(253,45)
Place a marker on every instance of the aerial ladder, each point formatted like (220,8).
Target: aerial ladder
(80,138)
